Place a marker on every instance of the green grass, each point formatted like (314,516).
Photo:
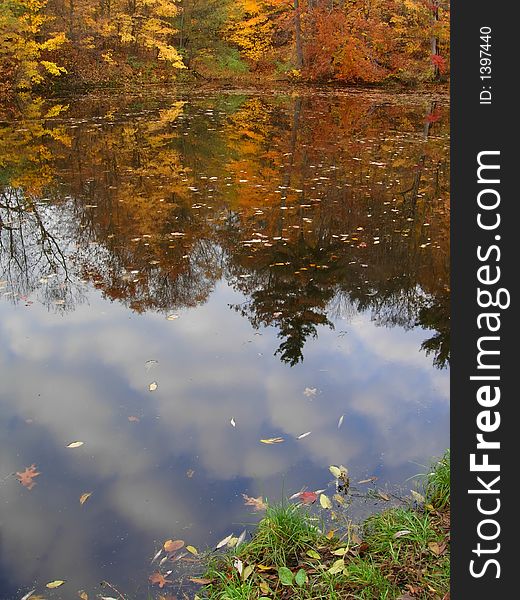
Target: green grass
(438,483)
(403,551)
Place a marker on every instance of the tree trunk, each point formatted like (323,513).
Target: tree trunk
(298,34)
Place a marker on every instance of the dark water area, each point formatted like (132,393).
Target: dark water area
(182,276)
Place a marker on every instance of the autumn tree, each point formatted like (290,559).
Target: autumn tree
(24,47)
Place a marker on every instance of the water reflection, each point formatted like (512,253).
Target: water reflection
(306,205)
(310,229)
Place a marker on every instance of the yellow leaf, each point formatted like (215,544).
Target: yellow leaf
(83,595)
(55,584)
(84,497)
(192,549)
(276,440)
(325,501)
(75,444)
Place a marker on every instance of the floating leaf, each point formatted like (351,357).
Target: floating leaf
(55,584)
(309,392)
(173,545)
(224,542)
(200,580)
(339,499)
(133,419)
(257,503)
(83,595)
(28,595)
(26,477)
(153,386)
(325,501)
(383,496)
(308,497)
(84,497)
(159,579)
(276,440)
(340,472)
(369,480)
(233,422)
(172,317)
(304,435)
(75,444)
(192,550)
(300,578)
(340,422)
(285,576)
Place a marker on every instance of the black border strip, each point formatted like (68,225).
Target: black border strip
(477,127)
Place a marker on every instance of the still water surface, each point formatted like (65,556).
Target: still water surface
(184,275)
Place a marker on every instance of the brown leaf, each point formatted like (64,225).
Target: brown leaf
(257,503)
(437,548)
(84,497)
(159,579)
(27,476)
(200,580)
(173,545)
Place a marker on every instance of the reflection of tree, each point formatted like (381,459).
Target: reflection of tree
(299,204)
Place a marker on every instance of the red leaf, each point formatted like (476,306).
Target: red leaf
(308,497)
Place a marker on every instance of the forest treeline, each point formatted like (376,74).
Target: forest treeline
(85,43)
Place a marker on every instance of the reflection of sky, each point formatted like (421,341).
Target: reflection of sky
(80,376)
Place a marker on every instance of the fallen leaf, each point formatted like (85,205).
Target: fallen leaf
(285,576)
(55,584)
(27,476)
(239,565)
(339,499)
(309,392)
(233,422)
(247,572)
(133,419)
(190,473)
(369,480)
(224,542)
(337,567)
(300,578)
(257,503)
(192,550)
(383,496)
(84,497)
(83,595)
(75,444)
(399,534)
(200,580)
(339,472)
(308,497)
(304,435)
(241,537)
(313,554)
(418,497)
(340,422)
(325,501)
(340,552)
(172,317)
(157,555)
(276,440)
(153,386)
(159,579)
(173,545)
(28,595)
(437,548)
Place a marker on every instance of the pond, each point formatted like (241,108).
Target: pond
(183,275)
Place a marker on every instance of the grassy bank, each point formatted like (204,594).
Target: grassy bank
(401,553)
